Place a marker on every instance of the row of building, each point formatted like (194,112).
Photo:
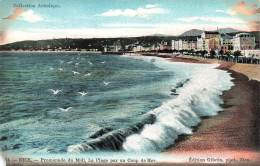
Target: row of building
(213,40)
(209,40)
(137,47)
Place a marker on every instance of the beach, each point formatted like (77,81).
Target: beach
(234,132)
(250,70)
(230,137)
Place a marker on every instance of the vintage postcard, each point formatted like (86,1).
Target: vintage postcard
(137,82)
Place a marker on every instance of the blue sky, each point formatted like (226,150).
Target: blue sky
(116,18)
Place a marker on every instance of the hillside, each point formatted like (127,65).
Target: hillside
(227,30)
(94,43)
(99,43)
(197,32)
(192,32)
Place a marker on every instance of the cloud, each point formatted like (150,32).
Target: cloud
(223,20)
(188,19)
(20,14)
(31,17)
(212,19)
(120,30)
(220,11)
(17,13)
(150,6)
(3,37)
(128,25)
(248,10)
(173,27)
(230,11)
(243,8)
(254,25)
(140,12)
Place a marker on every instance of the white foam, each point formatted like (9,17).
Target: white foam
(2,160)
(199,97)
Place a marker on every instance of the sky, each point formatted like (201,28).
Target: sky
(121,18)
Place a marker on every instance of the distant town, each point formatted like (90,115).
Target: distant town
(208,43)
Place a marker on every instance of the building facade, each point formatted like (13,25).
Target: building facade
(243,41)
(192,45)
(226,43)
(118,46)
(251,53)
(138,48)
(165,46)
(200,44)
(210,40)
(185,44)
(173,44)
(180,45)
(176,45)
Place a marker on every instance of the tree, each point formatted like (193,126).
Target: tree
(228,53)
(204,52)
(198,53)
(192,51)
(165,50)
(237,53)
(212,54)
(221,52)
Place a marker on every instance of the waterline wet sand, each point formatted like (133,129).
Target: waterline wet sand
(250,70)
(233,132)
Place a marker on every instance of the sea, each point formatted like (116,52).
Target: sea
(132,103)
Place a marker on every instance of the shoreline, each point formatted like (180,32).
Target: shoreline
(252,71)
(94,52)
(234,132)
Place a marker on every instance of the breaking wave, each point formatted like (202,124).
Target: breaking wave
(199,98)
(196,96)
(108,139)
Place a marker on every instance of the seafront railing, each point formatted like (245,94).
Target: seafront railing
(231,58)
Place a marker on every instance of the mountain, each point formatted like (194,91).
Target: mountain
(192,32)
(159,35)
(227,30)
(197,32)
